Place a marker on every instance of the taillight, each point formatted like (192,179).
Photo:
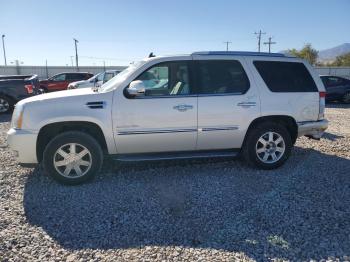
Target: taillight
(322,105)
(29,88)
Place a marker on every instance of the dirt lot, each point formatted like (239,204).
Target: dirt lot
(207,210)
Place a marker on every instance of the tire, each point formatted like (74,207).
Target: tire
(346,98)
(58,158)
(6,104)
(254,151)
(44,89)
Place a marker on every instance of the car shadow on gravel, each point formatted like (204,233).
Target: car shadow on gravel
(299,212)
(331,137)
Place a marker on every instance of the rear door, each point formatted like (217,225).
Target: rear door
(228,101)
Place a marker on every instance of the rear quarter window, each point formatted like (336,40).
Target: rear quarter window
(286,76)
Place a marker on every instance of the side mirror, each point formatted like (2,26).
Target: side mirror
(136,88)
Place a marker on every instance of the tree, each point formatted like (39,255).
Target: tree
(342,60)
(307,52)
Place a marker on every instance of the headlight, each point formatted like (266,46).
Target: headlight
(17,117)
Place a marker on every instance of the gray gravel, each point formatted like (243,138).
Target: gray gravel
(207,210)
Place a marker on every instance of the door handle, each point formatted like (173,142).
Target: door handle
(182,107)
(246,104)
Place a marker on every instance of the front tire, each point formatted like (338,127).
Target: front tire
(72,158)
(267,146)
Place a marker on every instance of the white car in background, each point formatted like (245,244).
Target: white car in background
(95,81)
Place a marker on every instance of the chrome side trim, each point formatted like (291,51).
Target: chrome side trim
(160,131)
(208,129)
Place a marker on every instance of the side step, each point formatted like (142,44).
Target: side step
(175,155)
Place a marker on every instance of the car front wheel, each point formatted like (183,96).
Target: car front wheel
(72,157)
(267,146)
(5,105)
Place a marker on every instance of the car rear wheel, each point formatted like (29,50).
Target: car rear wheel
(267,146)
(73,157)
(5,104)
(346,98)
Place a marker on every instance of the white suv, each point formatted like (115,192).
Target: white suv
(207,104)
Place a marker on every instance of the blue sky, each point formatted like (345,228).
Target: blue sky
(123,31)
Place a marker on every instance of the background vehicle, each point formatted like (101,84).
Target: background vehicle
(256,104)
(95,81)
(61,81)
(337,88)
(15,88)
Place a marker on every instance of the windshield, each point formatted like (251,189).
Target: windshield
(110,85)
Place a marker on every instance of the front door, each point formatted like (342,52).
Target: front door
(57,83)
(164,119)
(227,102)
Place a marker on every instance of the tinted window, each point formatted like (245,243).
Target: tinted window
(75,76)
(286,76)
(221,77)
(166,79)
(334,81)
(61,77)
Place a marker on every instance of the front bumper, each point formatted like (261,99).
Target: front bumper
(23,143)
(312,129)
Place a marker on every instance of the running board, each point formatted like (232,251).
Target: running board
(174,155)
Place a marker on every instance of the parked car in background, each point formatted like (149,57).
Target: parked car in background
(15,88)
(205,104)
(337,88)
(61,81)
(95,81)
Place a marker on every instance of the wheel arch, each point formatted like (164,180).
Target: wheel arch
(49,131)
(287,121)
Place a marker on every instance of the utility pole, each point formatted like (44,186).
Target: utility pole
(71,60)
(76,53)
(227,43)
(259,38)
(104,66)
(269,43)
(3,47)
(47,70)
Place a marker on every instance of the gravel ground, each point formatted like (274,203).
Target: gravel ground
(203,210)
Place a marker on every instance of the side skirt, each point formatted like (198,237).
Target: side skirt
(175,155)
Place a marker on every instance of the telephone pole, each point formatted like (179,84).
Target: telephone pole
(3,47)
(227,43)
(259,38)
(76,53)
(269,43)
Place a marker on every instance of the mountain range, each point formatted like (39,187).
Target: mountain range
(330,54)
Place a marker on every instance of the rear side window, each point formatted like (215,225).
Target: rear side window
(286,76)
(221,77)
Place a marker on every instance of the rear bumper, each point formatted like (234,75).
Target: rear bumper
(23,143)
(313,129)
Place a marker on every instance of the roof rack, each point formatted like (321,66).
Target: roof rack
(239,53)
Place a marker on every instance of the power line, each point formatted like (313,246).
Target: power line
(227,43)
(259,38)
(269,43)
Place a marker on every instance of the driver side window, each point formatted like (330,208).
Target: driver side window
(166,79)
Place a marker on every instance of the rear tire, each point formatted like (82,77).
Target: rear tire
(267,146)
(72,158)
(6,104)
(346,98)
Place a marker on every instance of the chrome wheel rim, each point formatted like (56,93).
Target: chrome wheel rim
(270,147)
(72,160)
(4,105)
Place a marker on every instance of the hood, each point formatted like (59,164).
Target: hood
(78,82)
(58,95)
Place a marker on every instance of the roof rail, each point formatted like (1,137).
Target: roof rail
(239,53)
